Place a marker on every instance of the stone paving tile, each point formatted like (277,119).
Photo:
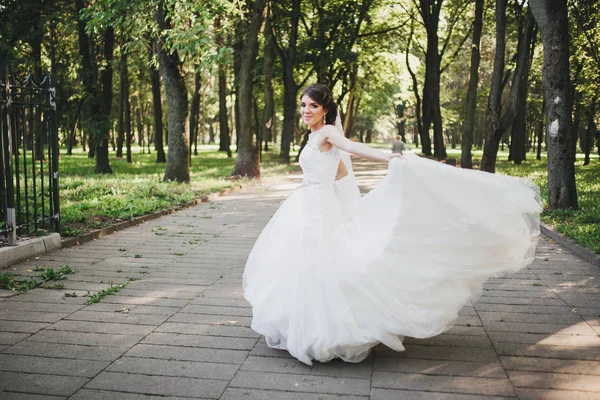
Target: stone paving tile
(438,367)
(211,319)
(301,383)
(217,342)
(57,366)
(566,329)
(334,368)
(211,330)
(393,394)
(537,364)
(438,383)
(161,367)
(56,298)
(544,380)
(128,318)
(19,304)
(28,396)
(545,394)
(92,394)
(253,394)
(589,340)
(571,318)
(512,308)
(217,310)
(548,351)
(10,338)
(86,338)
(180,353)
(32,316)
(150,301)
(40,383)
(22,326)
(102,327)
(446,339)
(158,385)
(131,309)
(75,352)
(441,353)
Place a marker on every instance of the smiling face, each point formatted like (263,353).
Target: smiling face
(312,113)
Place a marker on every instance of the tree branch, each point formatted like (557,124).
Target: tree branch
(381,32)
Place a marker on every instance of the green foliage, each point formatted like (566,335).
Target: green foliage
(112,289)
(47,279)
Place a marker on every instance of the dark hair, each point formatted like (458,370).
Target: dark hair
(323,96)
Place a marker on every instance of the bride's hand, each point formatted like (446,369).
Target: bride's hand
(394,155)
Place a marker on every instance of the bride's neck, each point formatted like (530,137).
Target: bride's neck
(316,127)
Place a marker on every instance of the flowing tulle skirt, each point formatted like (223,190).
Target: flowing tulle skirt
(328,282)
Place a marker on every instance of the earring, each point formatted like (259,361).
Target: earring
(324,119)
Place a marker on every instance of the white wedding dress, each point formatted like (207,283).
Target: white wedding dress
(327,280)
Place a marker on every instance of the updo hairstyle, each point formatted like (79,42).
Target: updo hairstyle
(323,96)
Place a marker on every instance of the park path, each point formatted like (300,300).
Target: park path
(182,329)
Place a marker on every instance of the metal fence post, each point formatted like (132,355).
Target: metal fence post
(11,223)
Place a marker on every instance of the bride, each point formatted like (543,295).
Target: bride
(334,274)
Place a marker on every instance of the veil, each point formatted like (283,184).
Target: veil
(346,188)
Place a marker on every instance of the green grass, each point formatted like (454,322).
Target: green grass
(90,201)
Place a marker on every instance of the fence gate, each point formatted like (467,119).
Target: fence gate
(28,157)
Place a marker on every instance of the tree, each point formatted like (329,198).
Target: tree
(497,120)
(98,88)
(466,160)
(553,23)
(171,70)
(247,162)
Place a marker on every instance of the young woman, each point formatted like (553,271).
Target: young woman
(333,274)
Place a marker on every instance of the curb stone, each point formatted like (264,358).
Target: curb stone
(578,250)
(29,248)
(34,247)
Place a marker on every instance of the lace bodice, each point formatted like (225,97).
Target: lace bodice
(319,168)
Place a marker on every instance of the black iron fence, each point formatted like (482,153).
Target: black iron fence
(28,157)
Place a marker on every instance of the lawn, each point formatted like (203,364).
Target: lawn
(90,201)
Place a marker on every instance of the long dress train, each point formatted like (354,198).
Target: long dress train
(328,281)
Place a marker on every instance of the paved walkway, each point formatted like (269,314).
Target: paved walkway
(182,329)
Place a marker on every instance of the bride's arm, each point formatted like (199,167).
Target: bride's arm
(333,136)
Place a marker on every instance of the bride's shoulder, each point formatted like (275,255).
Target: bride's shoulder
(329,130)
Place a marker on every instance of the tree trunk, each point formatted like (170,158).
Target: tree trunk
(224,138)
(195,110)
(401,121)
(496,124)
(290,101)
(425,140)
(540,133)
(157,108)
(431,90)
(103,133)
(128,131)
(466,159)
(590,132)
(178,163)
(247,163)
(518,141)
(269,60)
(553,23)
(121,109)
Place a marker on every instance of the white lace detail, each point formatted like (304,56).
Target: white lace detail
(319,167)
